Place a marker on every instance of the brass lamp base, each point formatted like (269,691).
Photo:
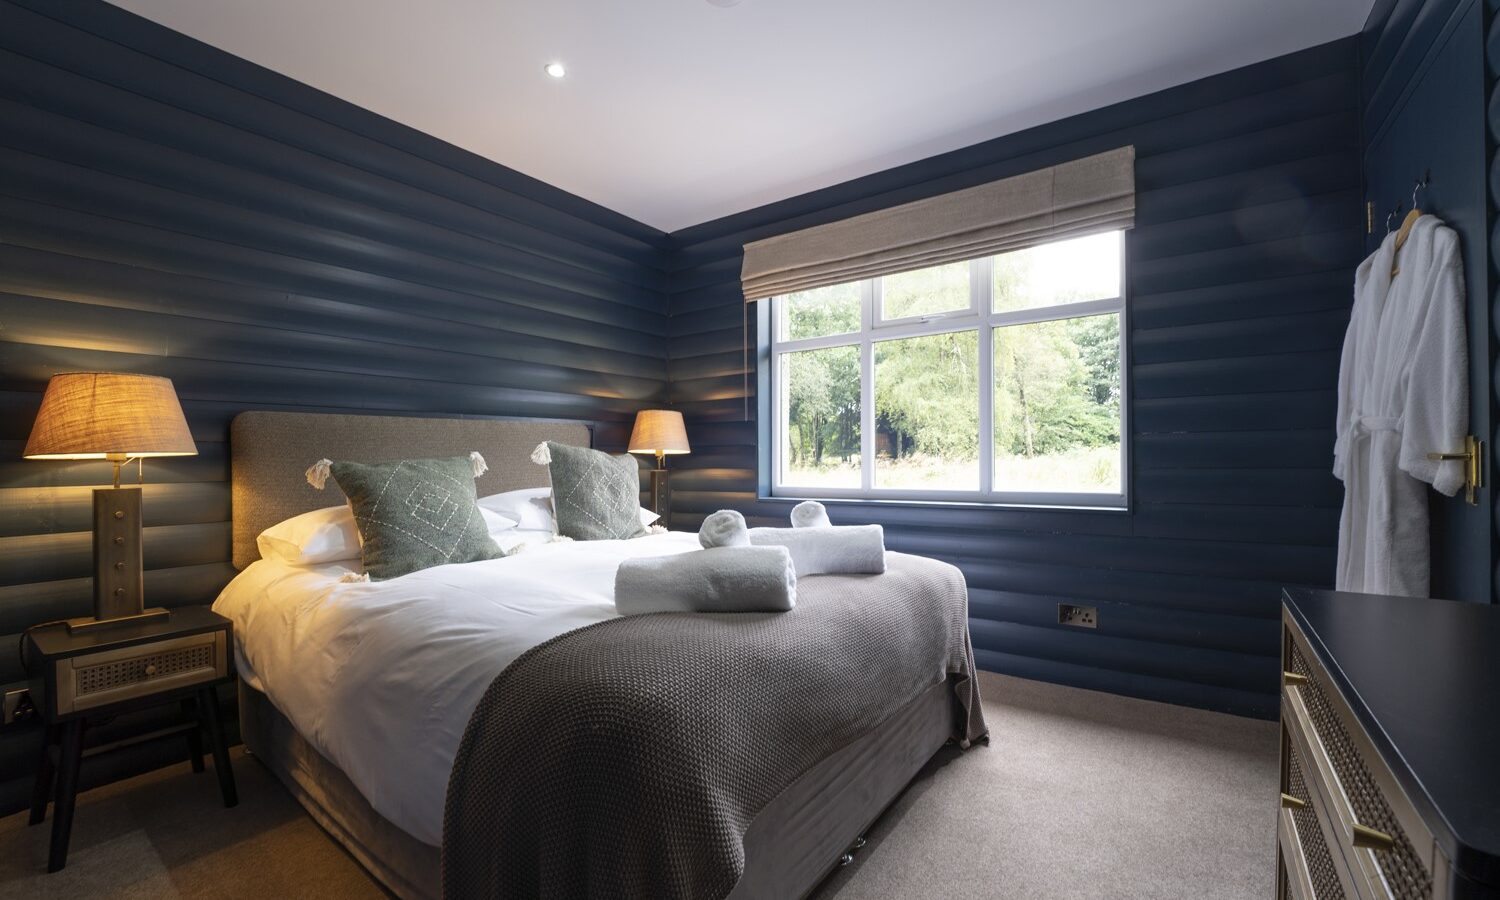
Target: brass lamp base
(89,623)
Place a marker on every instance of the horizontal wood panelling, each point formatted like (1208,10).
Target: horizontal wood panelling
(167,208)
(1429,108)
(1248,228)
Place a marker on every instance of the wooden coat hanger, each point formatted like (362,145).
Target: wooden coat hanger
(1404,232)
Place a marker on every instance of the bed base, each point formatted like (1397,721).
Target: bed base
(808,830)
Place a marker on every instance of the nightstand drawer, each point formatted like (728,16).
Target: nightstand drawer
(97,679)
(1371,828)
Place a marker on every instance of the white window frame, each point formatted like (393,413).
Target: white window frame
(981,317)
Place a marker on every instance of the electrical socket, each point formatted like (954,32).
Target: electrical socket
(17,705)
(1077,616)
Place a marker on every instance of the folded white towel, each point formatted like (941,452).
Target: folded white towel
(724,579)
(810,514)
(725,528)
(835,550)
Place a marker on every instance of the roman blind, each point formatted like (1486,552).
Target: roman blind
(1096,193)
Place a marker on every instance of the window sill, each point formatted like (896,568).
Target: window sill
(896,502)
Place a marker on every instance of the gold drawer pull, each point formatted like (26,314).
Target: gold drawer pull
(1290,802)
(1293,678)
(1370,839)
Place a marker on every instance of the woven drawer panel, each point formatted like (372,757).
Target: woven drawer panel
(1320,866)
(107,676)
(1405,875)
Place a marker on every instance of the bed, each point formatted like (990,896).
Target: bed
(359,697)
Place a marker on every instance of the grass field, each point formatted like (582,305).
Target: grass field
(1092,469)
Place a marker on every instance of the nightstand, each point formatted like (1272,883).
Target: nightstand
(106,671)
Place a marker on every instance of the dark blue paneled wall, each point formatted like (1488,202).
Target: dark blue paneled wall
(169,208)
(1423,92)
(1250,224)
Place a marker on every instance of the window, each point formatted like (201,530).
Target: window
(992,380)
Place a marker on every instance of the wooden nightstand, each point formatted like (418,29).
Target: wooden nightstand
(104,672)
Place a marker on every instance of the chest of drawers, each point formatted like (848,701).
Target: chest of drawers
(1390,749)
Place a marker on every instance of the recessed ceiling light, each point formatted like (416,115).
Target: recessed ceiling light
(555,69)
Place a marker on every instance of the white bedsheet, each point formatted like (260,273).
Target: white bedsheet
(382,677)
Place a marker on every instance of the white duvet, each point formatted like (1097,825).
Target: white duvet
(381,677)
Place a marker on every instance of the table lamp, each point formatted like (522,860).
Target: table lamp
(659,431)
(96,415)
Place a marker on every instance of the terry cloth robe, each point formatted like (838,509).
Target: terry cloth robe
(1403,393)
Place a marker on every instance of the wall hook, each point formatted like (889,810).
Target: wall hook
(1422,182)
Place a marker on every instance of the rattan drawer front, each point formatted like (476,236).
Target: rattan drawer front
(99,679)
(1313,872)
(1358,796)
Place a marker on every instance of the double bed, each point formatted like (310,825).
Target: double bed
(416,718)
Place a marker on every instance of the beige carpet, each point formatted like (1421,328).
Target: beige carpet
(1080,795)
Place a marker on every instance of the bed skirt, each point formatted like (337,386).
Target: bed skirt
(790,847)
(406,867)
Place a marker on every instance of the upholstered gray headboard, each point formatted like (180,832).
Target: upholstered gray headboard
(270,451)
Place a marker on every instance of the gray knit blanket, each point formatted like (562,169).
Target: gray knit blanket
(627,758)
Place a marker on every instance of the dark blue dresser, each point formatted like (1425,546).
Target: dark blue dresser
(1390,748)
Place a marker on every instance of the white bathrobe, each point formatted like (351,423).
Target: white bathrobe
(1403,393)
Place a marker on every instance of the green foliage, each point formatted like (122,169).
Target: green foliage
(926,291)
(927,394)
(1057,385)
(823,401)
(820,312)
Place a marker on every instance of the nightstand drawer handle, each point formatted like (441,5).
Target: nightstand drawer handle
(150,669)
(1290,802)
(1370,839)
(1293,678)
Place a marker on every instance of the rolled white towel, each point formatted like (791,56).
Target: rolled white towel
(810,514)
(836,550)
(721,580)
(725,528)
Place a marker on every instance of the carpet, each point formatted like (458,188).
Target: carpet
(1079,795)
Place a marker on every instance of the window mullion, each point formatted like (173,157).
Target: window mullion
(981,284)
(867,386)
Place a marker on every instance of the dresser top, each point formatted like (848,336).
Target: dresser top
(1423,677)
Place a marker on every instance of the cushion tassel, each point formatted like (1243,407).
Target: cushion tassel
(317,473)
(542,455)
(354,578)
(477,461)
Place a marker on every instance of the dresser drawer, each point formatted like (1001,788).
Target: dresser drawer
(1313,869)
(98,679)
(1375,839)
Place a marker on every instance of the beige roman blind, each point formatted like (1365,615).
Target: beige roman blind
(1093,194)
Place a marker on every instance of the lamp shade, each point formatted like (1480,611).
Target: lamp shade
(92,415)
(659,431)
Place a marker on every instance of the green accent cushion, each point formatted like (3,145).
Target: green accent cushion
(414,514)
(595,496)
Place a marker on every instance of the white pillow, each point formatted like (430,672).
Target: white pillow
(320,536)
(331,535)
(532,509)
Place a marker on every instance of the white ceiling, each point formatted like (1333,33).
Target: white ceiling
(676,112)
